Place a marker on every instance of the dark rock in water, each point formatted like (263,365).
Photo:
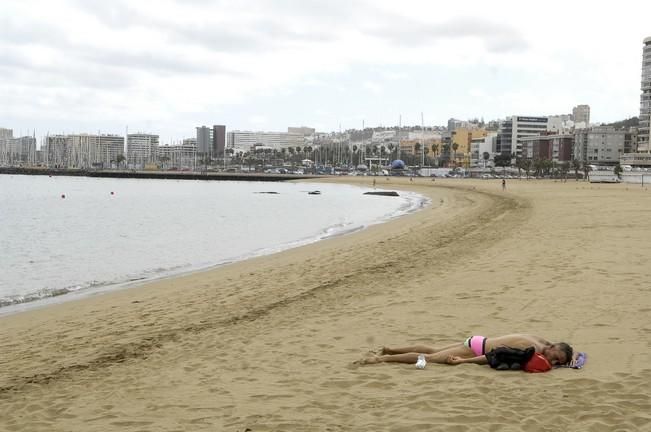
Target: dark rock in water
(270,193)
(382,193)
(314,193)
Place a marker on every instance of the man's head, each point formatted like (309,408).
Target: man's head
(558,353)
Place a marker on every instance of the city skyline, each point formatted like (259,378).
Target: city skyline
(267,66)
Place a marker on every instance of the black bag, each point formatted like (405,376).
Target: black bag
(505,358)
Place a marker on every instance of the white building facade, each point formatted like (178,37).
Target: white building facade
(599,145)
(179,157)
(275,140)
(82,151)
(645,98)
(17,151)
(511,132)
(142,149)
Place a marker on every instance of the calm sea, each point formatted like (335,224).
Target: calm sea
(109,232)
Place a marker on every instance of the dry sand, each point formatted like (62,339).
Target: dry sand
(267,344)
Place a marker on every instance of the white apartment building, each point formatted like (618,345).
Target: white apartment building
(599,145)
(481,145)
(142,149)
(645,98)
(17,151)
(82,151)
(182,156)
(274,140)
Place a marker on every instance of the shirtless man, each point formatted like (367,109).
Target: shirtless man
(473,350)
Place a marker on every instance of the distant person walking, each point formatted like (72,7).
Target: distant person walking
(503,184)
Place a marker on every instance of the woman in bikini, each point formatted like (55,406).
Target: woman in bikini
(473,350)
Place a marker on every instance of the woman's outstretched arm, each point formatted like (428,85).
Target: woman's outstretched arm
(480,360)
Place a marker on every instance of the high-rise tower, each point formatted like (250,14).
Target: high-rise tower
(645,97)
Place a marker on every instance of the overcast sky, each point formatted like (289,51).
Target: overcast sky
(167,66)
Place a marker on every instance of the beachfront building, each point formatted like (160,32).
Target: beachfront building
(82,151)
(481,145)
(19,151)
(601,145)
(274,140)
(463,138)
(514,129)
(636,160)
(553,147)
(644,143)
(180,157)
(142,150)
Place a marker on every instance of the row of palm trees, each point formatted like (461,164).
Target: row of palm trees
(337,154)
(543,167)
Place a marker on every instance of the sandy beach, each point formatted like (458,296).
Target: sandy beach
(268,344)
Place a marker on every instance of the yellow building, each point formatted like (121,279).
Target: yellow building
(463,137)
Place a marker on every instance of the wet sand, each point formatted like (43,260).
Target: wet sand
(268,344)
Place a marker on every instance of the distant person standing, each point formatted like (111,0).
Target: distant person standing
(503,184)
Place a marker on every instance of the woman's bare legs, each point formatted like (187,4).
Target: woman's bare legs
(411,357)
(423,349)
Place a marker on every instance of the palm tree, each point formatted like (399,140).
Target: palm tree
(119,159)
(528,164)
(565,167)
(435,149)
(576,165)
(486,157)
(519,163)
(455,147)
(163,159)
(586,170)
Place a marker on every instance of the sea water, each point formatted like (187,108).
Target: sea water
(63,235)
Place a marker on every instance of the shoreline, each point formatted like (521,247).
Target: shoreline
(268,343)
(38,299)
(160,175)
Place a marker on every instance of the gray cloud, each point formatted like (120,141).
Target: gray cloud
(158,63)
(498,38)
(262,37)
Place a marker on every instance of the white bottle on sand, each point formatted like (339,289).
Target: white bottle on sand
(420,364)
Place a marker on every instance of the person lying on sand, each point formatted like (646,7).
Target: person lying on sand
(473,350)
